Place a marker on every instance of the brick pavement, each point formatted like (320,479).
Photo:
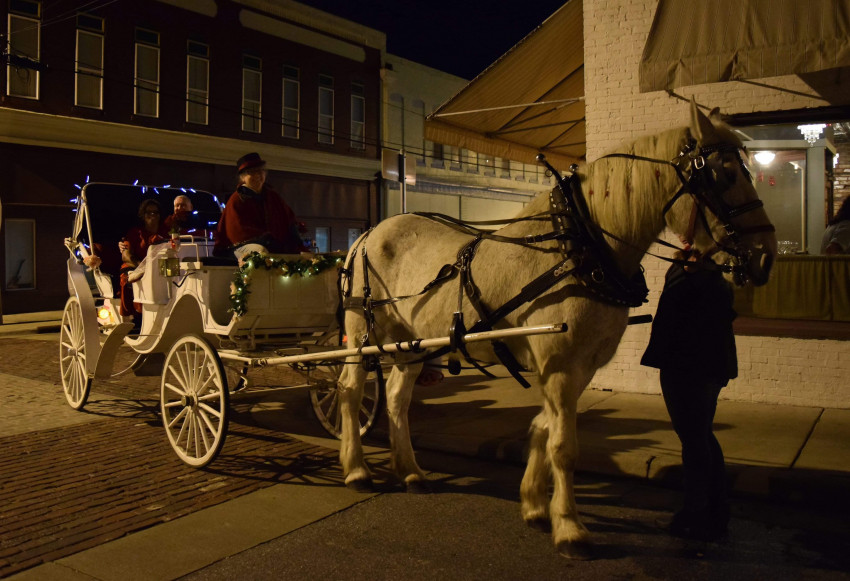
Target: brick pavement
(66,487)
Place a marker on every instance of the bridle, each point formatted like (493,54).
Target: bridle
(699,169)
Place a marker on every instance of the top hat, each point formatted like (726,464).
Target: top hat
(249,161)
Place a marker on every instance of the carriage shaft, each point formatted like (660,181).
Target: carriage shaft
(402,346)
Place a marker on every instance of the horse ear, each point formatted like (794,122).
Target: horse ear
(701,126)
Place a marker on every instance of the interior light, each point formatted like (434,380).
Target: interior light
(764,157)
(811,133)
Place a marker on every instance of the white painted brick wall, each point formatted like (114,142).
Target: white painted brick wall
(771,369)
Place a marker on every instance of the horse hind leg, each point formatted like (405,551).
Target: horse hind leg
(535,482)
(403,460)
(351,381)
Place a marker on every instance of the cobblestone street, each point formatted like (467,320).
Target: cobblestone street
(73,480)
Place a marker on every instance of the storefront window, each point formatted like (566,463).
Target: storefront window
(799,174)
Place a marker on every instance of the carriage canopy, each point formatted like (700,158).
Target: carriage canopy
(107,211)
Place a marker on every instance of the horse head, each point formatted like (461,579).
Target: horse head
(725,219)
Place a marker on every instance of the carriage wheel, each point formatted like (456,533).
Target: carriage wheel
(76,382)
(194,400)
(324,396)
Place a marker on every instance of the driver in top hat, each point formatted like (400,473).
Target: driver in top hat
(256,218)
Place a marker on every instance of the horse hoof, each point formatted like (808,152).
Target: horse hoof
(419,487)
(543,525)
(361,485)
(578,551)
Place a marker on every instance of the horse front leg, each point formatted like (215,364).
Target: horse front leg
(561,394)
(354,468)
(399,394)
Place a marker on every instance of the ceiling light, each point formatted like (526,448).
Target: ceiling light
(811,133)
(764,157)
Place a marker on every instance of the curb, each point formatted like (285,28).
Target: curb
(816,488)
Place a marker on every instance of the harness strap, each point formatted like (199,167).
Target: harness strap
(528,293)
(528,241)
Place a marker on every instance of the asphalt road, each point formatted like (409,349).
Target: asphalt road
(470,528)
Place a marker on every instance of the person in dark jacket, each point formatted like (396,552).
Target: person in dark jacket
(693,345)
(256,215)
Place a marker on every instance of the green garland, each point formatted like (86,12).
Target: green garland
(242,279)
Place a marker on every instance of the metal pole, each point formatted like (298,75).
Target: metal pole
(401,178)
(404,346)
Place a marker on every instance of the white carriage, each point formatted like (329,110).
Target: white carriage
(197,322)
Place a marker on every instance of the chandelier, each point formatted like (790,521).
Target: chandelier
(811,133)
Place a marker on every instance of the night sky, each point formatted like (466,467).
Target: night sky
(462,37)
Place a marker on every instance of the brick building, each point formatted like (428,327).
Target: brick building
(803,361)
(173,92)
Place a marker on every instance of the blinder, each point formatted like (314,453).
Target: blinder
(707,183)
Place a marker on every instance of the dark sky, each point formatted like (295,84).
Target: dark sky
(462,37)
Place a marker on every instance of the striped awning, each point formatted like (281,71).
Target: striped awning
(529,101)
(692,43)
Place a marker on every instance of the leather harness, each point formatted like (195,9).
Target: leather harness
(586,257)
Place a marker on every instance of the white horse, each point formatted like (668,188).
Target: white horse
(628,198)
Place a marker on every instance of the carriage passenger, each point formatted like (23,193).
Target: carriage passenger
(256,218)
(181,221)
(134,247)
(836,238)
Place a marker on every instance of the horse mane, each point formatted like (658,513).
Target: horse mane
(625,196)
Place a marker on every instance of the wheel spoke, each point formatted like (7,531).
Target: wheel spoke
(190,430)
(210,410)
(182,361)
(210,396)
(202,412)
(330,395)
(333,405)
(177,419)
(175,389)
(179,379)
(204,422)
(209,381)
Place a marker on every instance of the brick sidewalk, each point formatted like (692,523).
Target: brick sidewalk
(69,488)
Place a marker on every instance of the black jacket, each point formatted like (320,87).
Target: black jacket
(692,328)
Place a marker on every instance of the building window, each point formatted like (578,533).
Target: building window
(291,103)
(252,86)
(20,254)
(358,116)
(323,239)
(24,41)
(197,83)
(88,91)
(147,73)
(353,235)
(326,109)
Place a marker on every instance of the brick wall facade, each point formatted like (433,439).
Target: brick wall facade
(771,369)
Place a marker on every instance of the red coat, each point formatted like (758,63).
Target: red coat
(262,218)
(140,239)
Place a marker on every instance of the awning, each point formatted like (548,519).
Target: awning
(529,101)
(691,43)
